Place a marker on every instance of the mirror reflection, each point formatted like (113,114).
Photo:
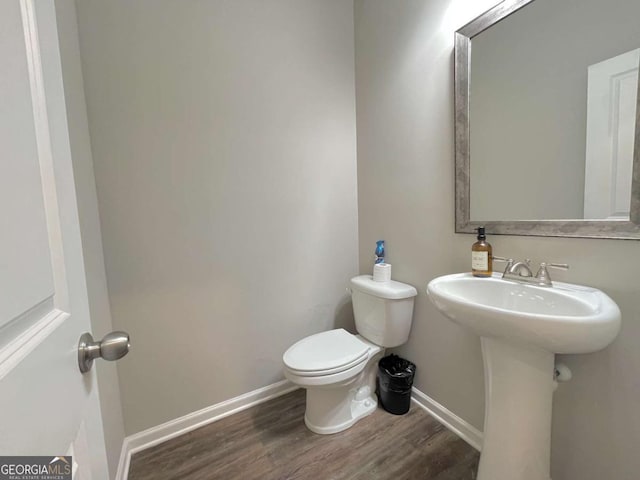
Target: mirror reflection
(552,110)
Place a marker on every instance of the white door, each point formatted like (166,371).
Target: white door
(47,407)
(611,118)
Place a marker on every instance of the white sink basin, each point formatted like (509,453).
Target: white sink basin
(521,328)
(565,318)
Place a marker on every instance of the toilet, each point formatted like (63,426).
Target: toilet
(339,369)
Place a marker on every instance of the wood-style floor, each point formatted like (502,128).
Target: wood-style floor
(270,441)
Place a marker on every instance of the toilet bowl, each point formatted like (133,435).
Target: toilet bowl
(338,368)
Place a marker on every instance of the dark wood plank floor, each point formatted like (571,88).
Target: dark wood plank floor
(270,441)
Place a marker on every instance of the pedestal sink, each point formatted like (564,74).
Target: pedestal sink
(521,328)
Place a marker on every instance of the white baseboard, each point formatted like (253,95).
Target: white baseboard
(174,428)
(457,425)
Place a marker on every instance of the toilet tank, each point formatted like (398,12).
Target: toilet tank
(383,310)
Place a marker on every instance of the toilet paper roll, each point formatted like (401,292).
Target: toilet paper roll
(382,272)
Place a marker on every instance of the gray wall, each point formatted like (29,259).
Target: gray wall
(223,135)
(404,85)
(107,375)
(529,105)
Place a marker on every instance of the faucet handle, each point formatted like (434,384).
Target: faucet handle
(560,266)
(543,274)
(508,261)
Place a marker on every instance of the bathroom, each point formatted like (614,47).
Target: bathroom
(234,164)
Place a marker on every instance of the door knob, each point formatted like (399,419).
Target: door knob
(113,346)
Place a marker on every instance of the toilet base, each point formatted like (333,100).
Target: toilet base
(335,407)
(333,421)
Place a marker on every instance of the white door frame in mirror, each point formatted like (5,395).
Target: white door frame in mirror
(611,108)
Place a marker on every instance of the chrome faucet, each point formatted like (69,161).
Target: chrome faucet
(521,271)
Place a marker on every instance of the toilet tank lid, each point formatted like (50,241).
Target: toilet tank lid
(391,290)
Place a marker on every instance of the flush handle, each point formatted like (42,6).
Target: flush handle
(113,346)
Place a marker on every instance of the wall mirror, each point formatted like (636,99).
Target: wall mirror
(547,119)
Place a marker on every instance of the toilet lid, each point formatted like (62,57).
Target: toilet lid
(326,352)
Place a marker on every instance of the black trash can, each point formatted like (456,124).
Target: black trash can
(395,379)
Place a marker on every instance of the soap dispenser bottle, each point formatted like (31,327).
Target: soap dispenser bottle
(481,256)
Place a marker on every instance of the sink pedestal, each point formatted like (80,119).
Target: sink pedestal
(517,422)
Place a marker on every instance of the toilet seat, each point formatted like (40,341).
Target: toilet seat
(326,353)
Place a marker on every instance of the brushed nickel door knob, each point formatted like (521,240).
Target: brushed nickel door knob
(113,346)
